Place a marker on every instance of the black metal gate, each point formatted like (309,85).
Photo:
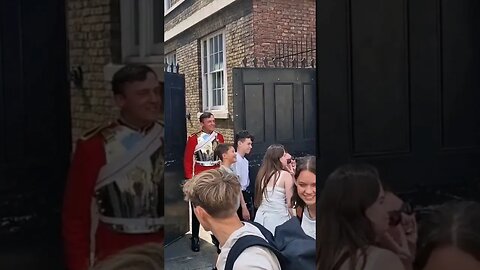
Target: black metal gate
(176,209)
(399,87)
(35,141)
(276,105)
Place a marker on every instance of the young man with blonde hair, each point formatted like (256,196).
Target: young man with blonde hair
(215,196)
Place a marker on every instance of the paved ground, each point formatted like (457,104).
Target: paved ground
(179,256)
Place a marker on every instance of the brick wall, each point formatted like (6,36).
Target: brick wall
(238,35)
(239,44)
(251,30)
(236,21)
(90,25)
(281,21)
(180,13)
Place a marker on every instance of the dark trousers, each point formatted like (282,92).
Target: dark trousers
(247,196)
(195,224)
(196,231)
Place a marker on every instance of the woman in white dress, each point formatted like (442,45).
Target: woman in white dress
(304,198)
(274,188)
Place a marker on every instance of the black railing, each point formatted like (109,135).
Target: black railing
(171,68)
(297,53)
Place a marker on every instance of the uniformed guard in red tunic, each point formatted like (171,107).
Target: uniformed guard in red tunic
(199,156)
(114,195)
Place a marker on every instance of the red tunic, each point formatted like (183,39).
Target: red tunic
(76,217)
(190,167)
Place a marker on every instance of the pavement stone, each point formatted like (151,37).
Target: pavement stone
(179,256)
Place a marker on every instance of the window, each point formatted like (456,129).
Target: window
(170,59)
(214,90)
(168,4)
(142,31)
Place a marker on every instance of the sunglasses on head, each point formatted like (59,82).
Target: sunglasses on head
(395,216)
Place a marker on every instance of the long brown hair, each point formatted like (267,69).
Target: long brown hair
(271,167)
(307,163)
(451,224)
(343,227)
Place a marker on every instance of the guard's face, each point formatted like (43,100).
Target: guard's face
(141,101)
(208,124)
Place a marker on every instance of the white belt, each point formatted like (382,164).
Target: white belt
(135,226)
(208,163)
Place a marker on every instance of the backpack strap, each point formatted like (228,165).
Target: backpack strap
(245,242)
(266,233)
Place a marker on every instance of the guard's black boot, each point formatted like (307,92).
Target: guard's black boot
(195,244)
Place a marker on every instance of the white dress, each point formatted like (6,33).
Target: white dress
(273,212)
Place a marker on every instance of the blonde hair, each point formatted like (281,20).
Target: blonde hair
(216,191)
(142,257)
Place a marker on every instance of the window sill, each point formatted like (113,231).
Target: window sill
(218,114)
(110,69)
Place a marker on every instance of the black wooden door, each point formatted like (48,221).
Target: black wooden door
(176,209)
(399,88)
(34,132)
(276,105)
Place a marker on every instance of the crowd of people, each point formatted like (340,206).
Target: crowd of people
(113,210)
(218,184)
(362,223)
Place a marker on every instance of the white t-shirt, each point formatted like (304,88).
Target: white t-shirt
(251,258)
(309,224)
(241,169)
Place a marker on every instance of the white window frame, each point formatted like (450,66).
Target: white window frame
(167,4)
(146,51)
(169,58)
(207,98)
(168,7)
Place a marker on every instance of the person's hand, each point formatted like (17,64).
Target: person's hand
(409,225)
(291,167)
(245,213)
(396,241)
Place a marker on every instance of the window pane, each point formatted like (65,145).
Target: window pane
(215,63)
(222,89)
(220,42)
(157,22)
(215,44)
(217,80)
(220,60)
(211,45)
(206,83)
(219,97)
(205,70)
(211,63)
(219,83)
(136,11)
(204,48)
(168,4)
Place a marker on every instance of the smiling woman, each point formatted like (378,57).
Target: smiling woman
(304,194)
